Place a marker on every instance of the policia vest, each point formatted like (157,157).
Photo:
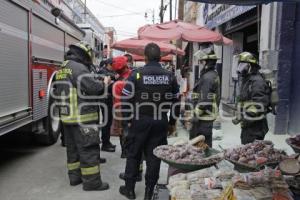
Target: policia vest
(153,91)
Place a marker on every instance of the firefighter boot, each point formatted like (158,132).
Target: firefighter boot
(94,184)
(75,177)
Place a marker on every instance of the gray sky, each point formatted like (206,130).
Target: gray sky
(132,11)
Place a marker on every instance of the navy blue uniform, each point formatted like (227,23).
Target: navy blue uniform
(153,92)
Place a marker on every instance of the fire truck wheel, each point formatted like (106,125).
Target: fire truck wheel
(52,126)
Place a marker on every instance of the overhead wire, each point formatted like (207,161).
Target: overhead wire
(114,6)
(120,15)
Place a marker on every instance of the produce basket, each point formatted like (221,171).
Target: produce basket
(244,168)
(192,167)
(294,147)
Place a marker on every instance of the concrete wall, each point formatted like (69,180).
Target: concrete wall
(285,38)
(294,123)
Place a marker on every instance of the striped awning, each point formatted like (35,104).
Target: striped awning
(242,2)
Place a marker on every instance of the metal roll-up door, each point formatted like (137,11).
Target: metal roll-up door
(70,40)
(14,76)
(47,40)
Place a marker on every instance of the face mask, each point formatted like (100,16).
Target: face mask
(203,63)
(243,69)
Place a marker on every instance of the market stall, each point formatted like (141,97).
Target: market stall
(178,30)
(256,171)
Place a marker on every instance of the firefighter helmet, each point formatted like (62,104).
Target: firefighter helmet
(247,57)
(206,54)
(85,47)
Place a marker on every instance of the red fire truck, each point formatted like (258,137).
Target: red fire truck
(32,46)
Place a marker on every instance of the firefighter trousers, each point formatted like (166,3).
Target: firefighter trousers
(144,136)
(254,130)
(201,127)
(83,155)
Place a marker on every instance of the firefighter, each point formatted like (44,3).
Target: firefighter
(79,119)
(253,100)
(151,91)
(206,98)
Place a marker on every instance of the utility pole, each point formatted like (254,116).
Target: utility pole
(161,13)
(171,9)
(85,11)
(179,43)
(175,9)
(153,17)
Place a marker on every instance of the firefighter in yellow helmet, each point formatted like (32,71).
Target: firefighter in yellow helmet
(254,99)
(78,90)
(206,97)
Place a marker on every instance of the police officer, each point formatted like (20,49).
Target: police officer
(79,119)
(254,100)
(152,92)
(206,98)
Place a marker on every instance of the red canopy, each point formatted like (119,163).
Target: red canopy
(137,46)
(175,30)
(167,58)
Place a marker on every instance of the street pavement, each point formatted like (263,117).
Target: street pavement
(29,172)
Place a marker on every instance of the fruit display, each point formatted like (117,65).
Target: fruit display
(255,154)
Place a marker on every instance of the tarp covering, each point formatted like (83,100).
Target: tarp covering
(178,30)
(242,2)
(137,46)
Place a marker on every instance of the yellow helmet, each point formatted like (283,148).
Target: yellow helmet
(247,57)
(85,47)
(206,54)
(209,57)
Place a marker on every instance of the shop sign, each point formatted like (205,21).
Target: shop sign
(217,14)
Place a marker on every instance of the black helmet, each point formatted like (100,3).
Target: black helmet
(84,47)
